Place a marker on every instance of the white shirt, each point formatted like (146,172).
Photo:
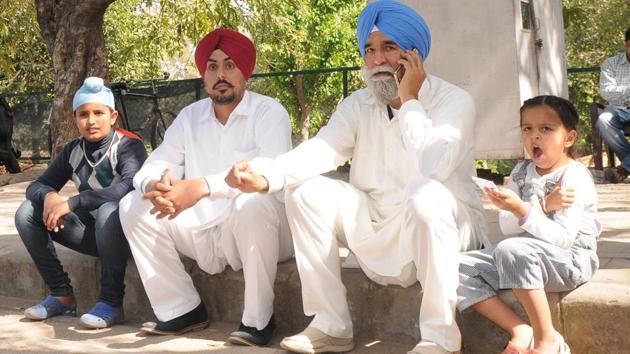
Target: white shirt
(196,145)
(565,224)
(431,137)
(614,80)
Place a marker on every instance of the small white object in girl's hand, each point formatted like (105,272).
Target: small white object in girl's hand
(484,183)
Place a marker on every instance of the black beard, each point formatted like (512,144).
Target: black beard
(223,99)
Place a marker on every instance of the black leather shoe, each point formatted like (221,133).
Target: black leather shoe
(191,321)
(251,336)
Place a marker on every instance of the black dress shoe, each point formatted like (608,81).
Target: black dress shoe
(251,336)
(191,321)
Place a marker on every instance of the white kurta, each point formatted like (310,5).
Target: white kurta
(408,210)
(227,228)
(196,145)
(432,137)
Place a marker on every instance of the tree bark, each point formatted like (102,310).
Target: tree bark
(73,33)
(305,107)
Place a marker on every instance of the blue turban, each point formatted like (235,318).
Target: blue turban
(93,90)
(398,22)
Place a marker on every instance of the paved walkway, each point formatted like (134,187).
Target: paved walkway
(62,334)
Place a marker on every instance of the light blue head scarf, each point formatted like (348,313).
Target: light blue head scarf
(93,90)
(397,21)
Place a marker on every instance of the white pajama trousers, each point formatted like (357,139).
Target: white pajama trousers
(254,236)
(422,242)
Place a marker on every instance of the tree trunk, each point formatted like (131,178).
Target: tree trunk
(73,32)
(305,107)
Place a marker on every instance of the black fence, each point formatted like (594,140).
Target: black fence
(32,110)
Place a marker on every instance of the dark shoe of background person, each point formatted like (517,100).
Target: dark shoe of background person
(251,336)
(191,321)
(618,174)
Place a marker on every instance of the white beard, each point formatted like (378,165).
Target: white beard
(383,88)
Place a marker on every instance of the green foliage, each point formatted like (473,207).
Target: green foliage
(143,35)
(308,34)
(593,32)
(503,167)
(147,37)
(24,60)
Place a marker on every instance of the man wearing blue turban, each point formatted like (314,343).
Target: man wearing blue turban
(410,205)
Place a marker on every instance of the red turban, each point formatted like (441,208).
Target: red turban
(234,44)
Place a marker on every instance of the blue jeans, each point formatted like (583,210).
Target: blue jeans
(610,125)
(100,236)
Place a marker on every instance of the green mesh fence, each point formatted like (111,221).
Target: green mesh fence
(323,88)
(30,123)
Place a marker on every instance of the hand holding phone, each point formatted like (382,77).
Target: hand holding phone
(398,73)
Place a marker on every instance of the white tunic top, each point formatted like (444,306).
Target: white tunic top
(564,227)
(432,137)
(196,145)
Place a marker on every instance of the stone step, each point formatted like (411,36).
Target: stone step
(587,316)
(593,318)
(62,334)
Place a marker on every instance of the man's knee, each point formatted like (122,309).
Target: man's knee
(310,194)
(604,120)
(429,200)
(132,209)
(249,208)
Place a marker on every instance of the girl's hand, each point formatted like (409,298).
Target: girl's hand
(506,199)
(560,198)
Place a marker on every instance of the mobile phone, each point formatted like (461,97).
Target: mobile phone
(484,183)
(398,73)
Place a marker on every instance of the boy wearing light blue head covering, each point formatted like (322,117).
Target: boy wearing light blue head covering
(410,205)
(102,164)
(93,90)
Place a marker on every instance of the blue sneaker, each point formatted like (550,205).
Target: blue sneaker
(101,315)
(50,307)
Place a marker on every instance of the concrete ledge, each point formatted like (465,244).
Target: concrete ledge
(596,316)
(593,318)
(587,316)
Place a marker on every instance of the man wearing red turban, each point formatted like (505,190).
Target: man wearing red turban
(182,204)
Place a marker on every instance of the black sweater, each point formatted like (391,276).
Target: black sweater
(122,154)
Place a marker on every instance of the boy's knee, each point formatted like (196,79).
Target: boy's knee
(107,209)
(25,215)
(107,216)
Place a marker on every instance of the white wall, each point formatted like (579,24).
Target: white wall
(474,45)
(551,56)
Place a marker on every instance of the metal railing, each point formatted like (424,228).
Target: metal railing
(31,110)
